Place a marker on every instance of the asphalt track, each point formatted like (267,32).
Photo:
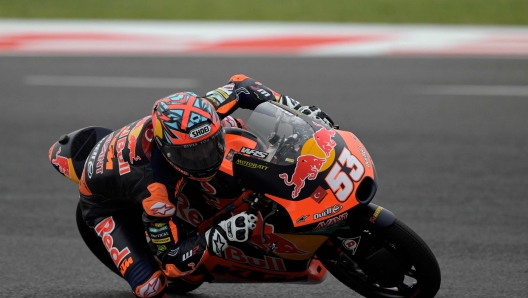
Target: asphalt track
(453,165)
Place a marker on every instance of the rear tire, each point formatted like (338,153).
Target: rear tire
(414,272)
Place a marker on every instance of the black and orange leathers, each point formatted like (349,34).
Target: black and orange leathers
(126,171)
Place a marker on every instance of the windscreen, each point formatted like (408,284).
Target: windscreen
(282,132)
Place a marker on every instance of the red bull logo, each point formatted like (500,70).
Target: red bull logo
(282,245)
(237,255)
(313,160)
(104,230)
(307,167)
(133,138)
(323,139)
(132,141)
(62,163)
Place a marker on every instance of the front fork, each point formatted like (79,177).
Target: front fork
(357,233)
(359,241)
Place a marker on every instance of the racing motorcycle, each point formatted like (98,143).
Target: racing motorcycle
(311,187)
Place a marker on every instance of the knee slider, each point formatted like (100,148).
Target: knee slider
(153,287)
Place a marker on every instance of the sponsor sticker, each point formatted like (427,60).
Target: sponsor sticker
(271,263)
(199,132)
(251,165)
(302,218)
(156,230)
(307,167)
(332,221)
(160,235)
(254,152)
(161,241)
(62,163)
(104,230)
(319,194)
(328,211)
(230,155)
(350,244)
(375,214)
(124,265)
(364,154)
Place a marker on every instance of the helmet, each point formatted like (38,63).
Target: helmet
(189,134)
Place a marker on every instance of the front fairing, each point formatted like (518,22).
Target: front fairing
(311,170)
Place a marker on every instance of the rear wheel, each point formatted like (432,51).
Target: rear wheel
(392,262)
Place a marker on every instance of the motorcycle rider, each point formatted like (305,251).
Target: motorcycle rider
(126,169)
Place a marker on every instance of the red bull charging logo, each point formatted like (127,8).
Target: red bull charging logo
(62,163)
(313,159)
(308,167)
(323,139)
(133,138)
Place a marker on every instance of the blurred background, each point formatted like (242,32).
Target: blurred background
(500,12)
(437,91)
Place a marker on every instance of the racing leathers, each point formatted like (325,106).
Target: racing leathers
(126,172)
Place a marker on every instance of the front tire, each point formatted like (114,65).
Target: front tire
(394,262)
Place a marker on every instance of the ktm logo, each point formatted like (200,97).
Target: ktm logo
(124,266)
(254,152)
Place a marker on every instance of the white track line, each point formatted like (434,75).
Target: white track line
(99,81)
(475,90)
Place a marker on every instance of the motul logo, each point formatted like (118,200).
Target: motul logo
(200,131)
(254,152)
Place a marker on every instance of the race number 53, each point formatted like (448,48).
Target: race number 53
(339,181)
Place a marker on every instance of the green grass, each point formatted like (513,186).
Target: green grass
(504,12)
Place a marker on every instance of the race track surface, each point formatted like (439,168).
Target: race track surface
(451,158)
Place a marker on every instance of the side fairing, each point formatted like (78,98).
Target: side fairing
(322,184)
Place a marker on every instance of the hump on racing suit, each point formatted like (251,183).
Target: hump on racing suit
(69,153)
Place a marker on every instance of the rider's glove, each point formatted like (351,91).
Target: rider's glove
(289,102)
(229,121)
(237,228)
(316,113)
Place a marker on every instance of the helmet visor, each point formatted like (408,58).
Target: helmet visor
(198,156)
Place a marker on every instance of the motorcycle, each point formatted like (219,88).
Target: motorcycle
(311,187)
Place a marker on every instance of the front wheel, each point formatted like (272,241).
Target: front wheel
(393,262)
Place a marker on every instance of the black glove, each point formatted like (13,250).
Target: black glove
(316,113)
